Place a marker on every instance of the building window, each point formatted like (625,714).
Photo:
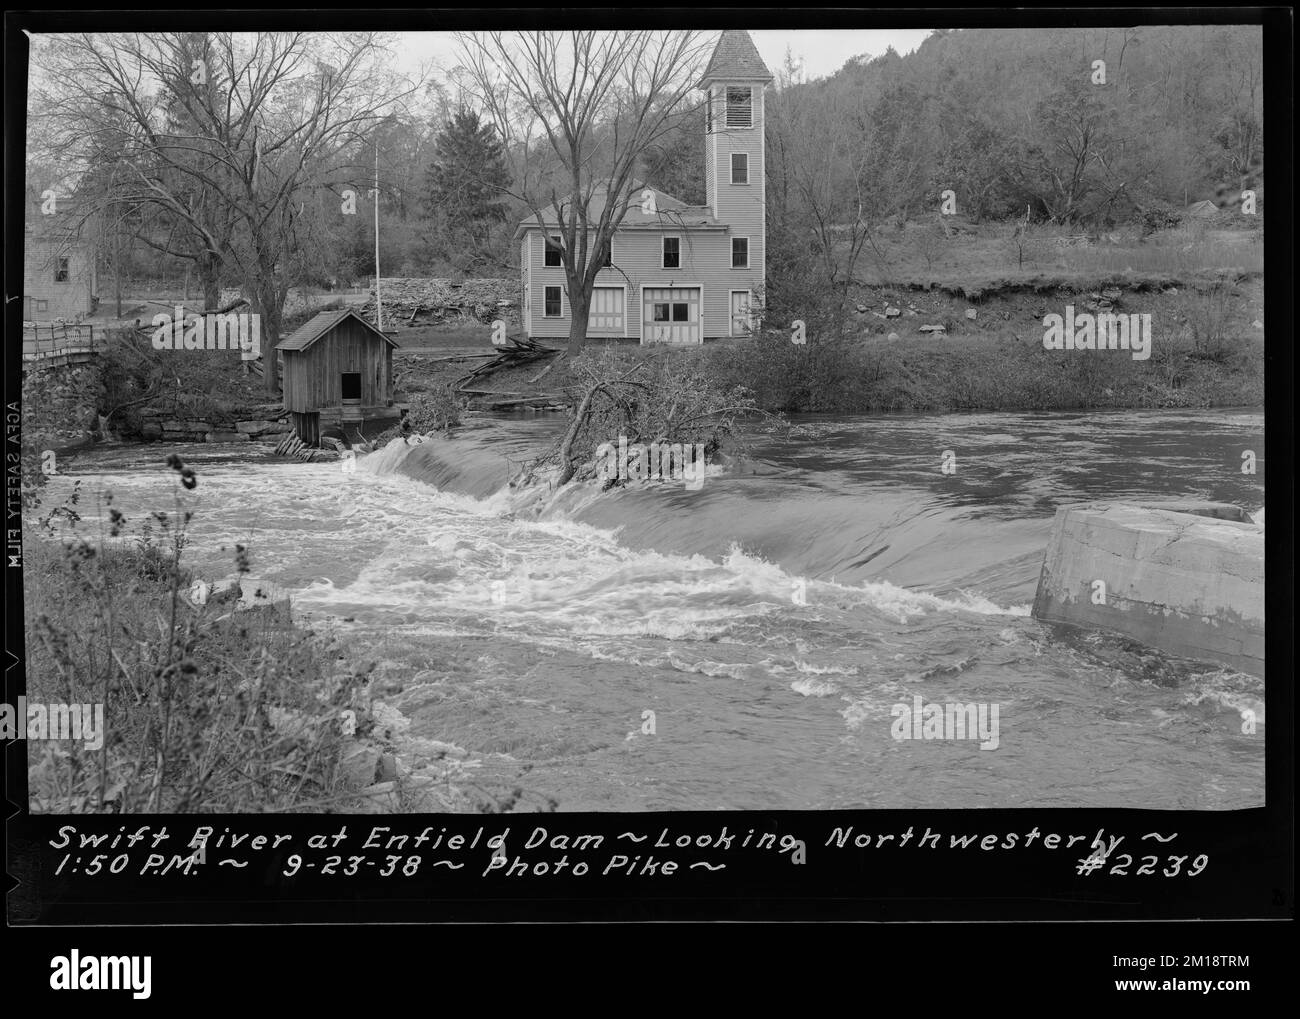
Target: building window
(552,300)
(42,305)
(609,255)
(553,252)
(672,252)
(740,252)
(61,270)
(671,311)
(740,107)
(740,168)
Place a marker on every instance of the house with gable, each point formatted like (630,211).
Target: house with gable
(60,280)
(676,274)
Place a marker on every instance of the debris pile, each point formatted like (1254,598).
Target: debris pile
(423,301)
(299,450)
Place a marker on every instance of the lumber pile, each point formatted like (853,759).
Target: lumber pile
(296,448)
(418,301)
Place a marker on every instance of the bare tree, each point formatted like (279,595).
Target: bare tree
(578,110)
(842,165)
(226,134)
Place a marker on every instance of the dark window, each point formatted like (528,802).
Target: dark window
(672,253)
(609,255)
(740,252)
(740,107)
(554,256)
(552,302)
(740,168)
(61,271)
(661,312)
(681,313)
(351,386)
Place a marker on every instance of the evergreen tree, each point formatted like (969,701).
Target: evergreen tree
(467,180)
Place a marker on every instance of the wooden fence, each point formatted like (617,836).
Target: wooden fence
(55,340)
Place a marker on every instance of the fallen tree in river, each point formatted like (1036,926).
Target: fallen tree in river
(623,401)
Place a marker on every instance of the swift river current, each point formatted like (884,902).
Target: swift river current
(745,645)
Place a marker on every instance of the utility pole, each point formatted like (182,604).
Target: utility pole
(379,304)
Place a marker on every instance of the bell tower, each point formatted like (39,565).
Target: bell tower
(735,171)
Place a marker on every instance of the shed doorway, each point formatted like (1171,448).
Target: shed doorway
(351,387)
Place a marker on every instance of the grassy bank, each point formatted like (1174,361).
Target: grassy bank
(996,372)
(1207,349)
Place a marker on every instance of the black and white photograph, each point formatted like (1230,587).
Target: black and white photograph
(643,420)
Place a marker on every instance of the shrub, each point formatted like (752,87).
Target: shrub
(438,410)
(1208,314)
(205,708)
(1159,215)
(1026,243)
(435,411)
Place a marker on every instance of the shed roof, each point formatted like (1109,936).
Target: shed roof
(311,331)
(736,56)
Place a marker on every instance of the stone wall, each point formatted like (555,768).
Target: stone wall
(61,412)
(161,425)
(60,406)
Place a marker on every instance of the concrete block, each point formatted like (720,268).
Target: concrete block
(1191,584)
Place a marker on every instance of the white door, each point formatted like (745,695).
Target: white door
(607,310)
(741,325)
(672,315)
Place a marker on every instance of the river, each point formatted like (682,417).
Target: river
(745,645)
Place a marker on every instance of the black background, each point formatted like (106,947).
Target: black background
(926,965)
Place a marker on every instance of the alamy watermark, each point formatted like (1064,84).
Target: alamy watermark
(1103,331)
(667,461)
(213,331)
(77,972)
(946,721)
(53,721)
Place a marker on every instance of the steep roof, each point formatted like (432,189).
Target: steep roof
(670,212)
(736,56)
(308,333)
(71,222)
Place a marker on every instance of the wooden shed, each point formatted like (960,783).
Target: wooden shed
(337,368)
